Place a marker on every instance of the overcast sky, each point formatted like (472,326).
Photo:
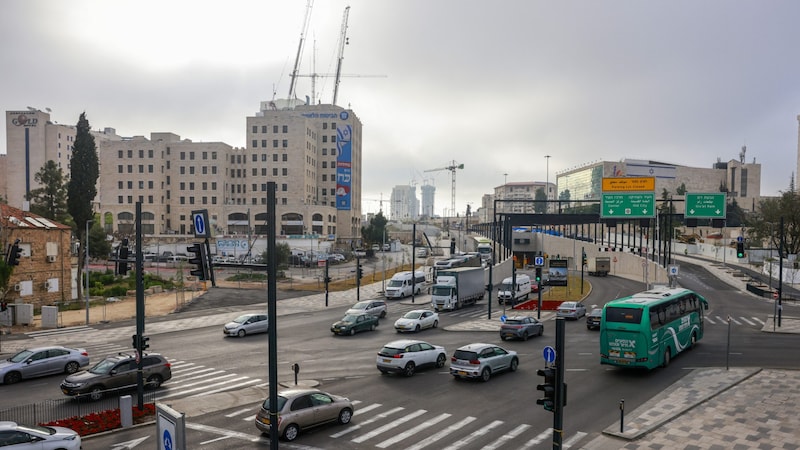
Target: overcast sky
(493,85)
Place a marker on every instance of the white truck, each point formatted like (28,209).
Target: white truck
(512,295)
(457,287)
(401,284)
(599,266)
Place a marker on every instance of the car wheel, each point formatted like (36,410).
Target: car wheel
(352,331)
(96,393)
(667,357)
(409,369)
(291,431)
(154,381)
(486,374)
(383,371)
(435,323)
(524,335)
(372,327)
(440,360)
(345,415)
(416,328)
(241,333)
(383,314)
(12,377)
(72,367)
(541,331)
(503,337)
(514,365)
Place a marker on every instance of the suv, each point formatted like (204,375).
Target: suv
(481,361)
(116,373)
(406,355)
(375,308)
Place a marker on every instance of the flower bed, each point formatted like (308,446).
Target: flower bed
(104,420)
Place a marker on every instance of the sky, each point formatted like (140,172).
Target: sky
(496,86)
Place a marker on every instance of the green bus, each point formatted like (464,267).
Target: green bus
(649,328)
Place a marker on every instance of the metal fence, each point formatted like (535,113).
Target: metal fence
(64,408)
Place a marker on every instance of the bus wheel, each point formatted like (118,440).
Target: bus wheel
(667,356)
(693,341)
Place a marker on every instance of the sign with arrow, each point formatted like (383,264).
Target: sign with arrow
(628,205)
(705,206)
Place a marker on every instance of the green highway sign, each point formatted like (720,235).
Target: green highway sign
(705,206)
(628,205)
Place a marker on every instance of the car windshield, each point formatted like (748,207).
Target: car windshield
(281,402)
(21,356)
(596,312)
(413,315)
(360,305)
(349,318)
(568,305)
(390,351)
(103,367)
(36,429)
(241,319)
(395,283)
(505,287)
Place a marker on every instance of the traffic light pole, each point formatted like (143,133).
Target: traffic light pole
(358,279)
(560,397)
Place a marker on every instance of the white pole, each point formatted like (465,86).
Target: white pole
(86,259)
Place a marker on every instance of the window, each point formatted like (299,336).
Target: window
(285,157)
(119,169)
(119,185)
(183,156)
(274,171)
(255,129)
(255,143)
(285,143)
(285,128)
(119,154)
(130,168)
(324,139)
(263,128)
(285,172)
(254,157)
(274,128)
(264,143)
(284,187)
(130,153)
(324,164)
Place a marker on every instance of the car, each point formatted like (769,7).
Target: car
(406,356)
(117,372)
(376,247)
(353,323)
(481,361)
(299,409)
(387,247)
(521,327)
(15,435)
(416,320)
(571,310)
(375,308)
(41,361)
(593,318)
(246,324)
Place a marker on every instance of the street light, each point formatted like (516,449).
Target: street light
(86,256)
(547,184)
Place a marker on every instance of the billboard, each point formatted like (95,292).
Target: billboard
(557,272)
(344,163)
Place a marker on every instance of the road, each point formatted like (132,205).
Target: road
(211,370)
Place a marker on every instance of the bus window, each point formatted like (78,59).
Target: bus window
(623,315)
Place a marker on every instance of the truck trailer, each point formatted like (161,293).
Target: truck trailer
(455,288)
(599,266)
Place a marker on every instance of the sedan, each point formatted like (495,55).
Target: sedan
(35,437)
(521,327)
(571,310)
(299,409)
(40,361)
(593,319)
(353,323)
(406,355)
(375,308)
(482,361)
(247,324)
(416,320)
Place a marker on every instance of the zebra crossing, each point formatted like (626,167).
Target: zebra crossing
(384,426)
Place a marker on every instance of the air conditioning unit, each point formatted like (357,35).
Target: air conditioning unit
(47,283)
(17,287)
(51,258)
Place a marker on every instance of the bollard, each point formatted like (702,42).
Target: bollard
(126,411)
(622,415)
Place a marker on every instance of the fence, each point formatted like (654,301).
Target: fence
(64,408)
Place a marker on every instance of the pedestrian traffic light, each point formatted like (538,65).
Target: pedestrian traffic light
(13,254)
(359,272)
(135,341)
(548,387)
(452,246)
(122,257)
(145,343)
(538,275)
(199,261)
(740,249)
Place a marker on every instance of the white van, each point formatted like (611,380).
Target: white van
(520,292)
(401,283)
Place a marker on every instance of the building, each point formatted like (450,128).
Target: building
(405,205)
(428,193)
(518,197)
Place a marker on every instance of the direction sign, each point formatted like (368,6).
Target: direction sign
(705,206)
(628,205)
(200,222)
(629,184)
(549,354)
(538,261)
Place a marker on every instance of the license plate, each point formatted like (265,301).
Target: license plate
(265,420)
(461,372)
(387,360)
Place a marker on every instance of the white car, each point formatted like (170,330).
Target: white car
(406,355)
(416,320)
(19,436)
(246,324)
(375,308)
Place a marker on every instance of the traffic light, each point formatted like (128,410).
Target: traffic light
(548,387)
(13,254)
(583,259)
(199,261)
(538,275)
(145,343)
(122,257)
(359,272)
(135,341)
(3,306)
(740,249)
(452,246)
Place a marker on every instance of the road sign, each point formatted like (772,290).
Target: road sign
(549,354)
(503,318)
(200,222)
(705,206)
(639,205)
(538,261)
(629,184)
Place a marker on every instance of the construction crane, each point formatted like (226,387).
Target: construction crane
(452,168)
(307,19)
(342,43)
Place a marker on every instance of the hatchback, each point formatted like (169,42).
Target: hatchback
(34,437)
(416,320)
(299,409)
(246,324)
(406,355)
(40,361)
(571,310)
(593,319)
(375,308)
(521,327)
(117,372)
(482,361)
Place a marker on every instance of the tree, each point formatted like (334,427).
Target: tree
(283,252)
(765,227)
(374,232)
(82,190)
(99,245)
(540,201)
(50,200)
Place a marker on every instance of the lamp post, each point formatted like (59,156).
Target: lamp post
(547,184)
(86,260)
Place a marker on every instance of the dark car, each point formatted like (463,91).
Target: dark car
(593,319)
(117,372)
(521,327)
(353,323)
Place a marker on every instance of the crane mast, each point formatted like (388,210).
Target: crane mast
(307,19)
(342,43)
(452,168)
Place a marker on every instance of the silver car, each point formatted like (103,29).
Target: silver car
(482,361)
(15,435)
(299,409)
(247,324)
(571,310)
(40,361)
(375,308)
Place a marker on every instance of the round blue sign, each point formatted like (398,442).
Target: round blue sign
(167,440)
(199,224)
(503,318)
(549,354)
(538,261)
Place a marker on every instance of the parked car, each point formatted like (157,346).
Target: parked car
(521,327)
(353,323)
(117,372)
(571,310)
(376,308)
(482,361)
(15,436)
(40,361)
(246,324)
(299,409)
(593,318)
(416,320)
(387,247)
(406,355)
(376,247)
